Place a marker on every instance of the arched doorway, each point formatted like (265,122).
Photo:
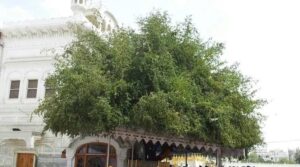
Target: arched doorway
(94,155)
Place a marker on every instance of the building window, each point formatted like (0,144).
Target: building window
(14,89)
(32,88)
(94,154)
(48,90)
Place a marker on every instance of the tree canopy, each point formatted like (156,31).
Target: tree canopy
(161,78)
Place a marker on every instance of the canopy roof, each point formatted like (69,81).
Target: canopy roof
(127,136)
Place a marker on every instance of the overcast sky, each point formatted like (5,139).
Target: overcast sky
(262,35)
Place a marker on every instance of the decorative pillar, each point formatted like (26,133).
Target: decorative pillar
(122,157)
(69,156)
(108,151)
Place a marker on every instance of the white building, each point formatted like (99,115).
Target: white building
(271,155)
(274,155)
(23,68)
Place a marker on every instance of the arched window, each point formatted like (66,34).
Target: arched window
(109,28)
(103,26)
(94,155)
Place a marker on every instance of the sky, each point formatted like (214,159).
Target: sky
(261,35)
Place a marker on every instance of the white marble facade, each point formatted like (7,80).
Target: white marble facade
(25,54)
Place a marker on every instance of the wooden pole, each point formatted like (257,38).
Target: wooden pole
(108,151)
(219,157)
(186,158)
(132,149)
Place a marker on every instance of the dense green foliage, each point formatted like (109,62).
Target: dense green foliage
(254,158)
(285,161)
(161,78)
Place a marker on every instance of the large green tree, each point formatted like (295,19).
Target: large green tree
(161,78)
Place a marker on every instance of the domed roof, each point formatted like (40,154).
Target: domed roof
(79,6)
(93,10)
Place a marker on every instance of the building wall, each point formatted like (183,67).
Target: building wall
(27,51)
(26,57)
(29,54)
